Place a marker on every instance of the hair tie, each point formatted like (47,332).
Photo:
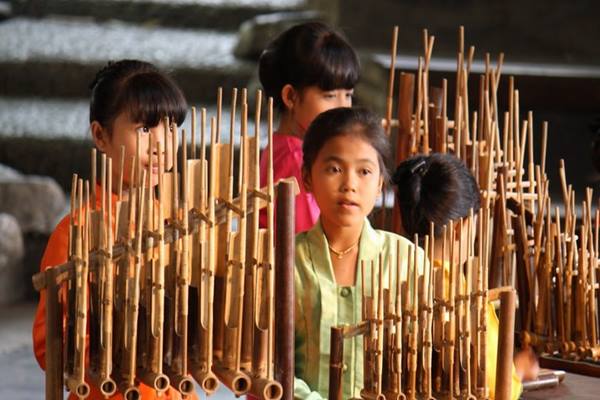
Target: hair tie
(419,168)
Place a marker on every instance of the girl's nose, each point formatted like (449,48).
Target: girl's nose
(349,183)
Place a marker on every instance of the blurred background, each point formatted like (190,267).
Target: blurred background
(50,51)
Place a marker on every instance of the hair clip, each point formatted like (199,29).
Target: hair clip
(419,168)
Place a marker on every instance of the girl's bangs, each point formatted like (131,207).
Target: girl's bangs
(335,68)
(150,97)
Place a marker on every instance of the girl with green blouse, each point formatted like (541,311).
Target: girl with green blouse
(344,167)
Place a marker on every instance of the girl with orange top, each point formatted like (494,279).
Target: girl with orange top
(128,97)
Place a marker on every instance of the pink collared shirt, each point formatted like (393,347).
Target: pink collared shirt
(287,161)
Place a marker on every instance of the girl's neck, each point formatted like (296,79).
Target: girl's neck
(288,126)
(341,237)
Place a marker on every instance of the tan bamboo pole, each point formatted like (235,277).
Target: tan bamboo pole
(101,376)
(466,391)
(396,348)
(411,391)
(263,384)
(429,282)
(76,380)
(193,132)
(219,112)
(544,146)
(93,175)
(559,300)
(480,316)
(505,345)
(253,238)
(451,325)
(178,368)
(531,168)
(379,325)
(152,371)
(202,370)
(390,91)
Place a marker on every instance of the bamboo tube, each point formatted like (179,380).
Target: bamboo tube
(336,363)
(390,92)
(284,289)
(54,341)
(219,112)
(405,111)
(93,177)
(428,280)
(101,374)
(193,131)
(233,377)
(505,346)
(466,390)
(75,379)
(178,368)
(380,315)
(411,391)
(252,247)
(451,325)
(152,371)
(559,301)
(202,364)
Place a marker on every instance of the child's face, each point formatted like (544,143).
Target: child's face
(312,101)
(345,180)
(124,133)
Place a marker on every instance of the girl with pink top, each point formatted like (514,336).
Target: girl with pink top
(308,69)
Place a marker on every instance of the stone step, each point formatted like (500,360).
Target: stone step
(69,119)
(51,136)
(206,14)
(59,57)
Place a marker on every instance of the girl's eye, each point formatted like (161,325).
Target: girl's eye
(143,130)
(329,95)
(334,169)
(365,171)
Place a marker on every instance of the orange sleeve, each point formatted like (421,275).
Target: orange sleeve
(55,254)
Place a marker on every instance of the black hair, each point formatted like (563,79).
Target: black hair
(346,121)
(139,88)
(437,188)
(307,54)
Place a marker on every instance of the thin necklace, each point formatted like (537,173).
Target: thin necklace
(341,254)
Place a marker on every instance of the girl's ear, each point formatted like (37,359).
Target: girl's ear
(288,96)
(99,135)
(307,180)
(380,185)
(460,226)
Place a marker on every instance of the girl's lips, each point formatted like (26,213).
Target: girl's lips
(347,205)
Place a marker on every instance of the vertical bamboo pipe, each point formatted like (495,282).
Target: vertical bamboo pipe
(284,289)
(336,363)
(505,345)
(54,338)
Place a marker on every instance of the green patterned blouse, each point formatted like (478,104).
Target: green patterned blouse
(321,303)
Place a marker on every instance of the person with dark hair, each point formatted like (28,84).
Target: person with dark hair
(439,188)
(128,98)
(345,154)
(308,69)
